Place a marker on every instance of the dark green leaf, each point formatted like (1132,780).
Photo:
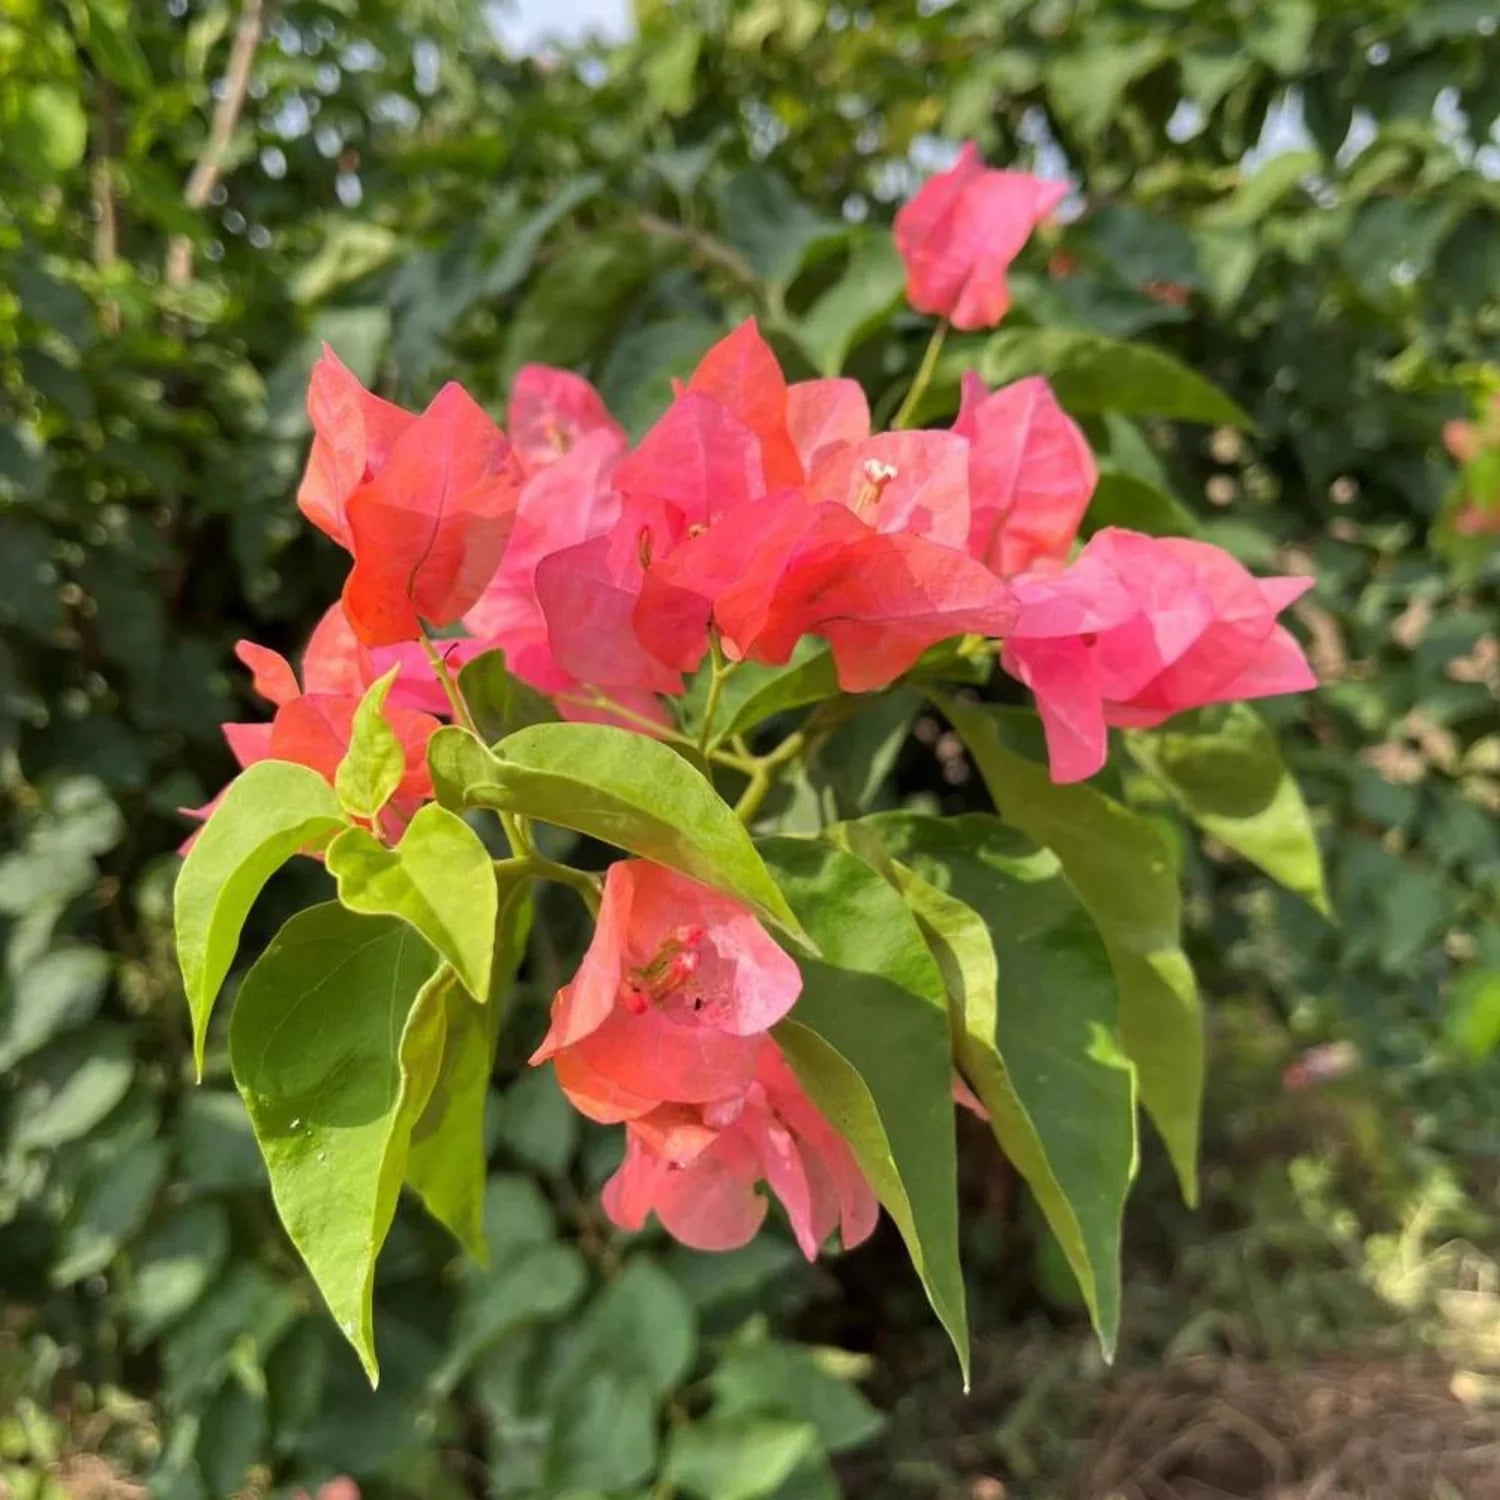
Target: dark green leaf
(1092,373)
(869,1039)
(1119,864)
(499,701)
(1036,1027)
(856,304)
(1125,500)
(791,1380)
(738,1459)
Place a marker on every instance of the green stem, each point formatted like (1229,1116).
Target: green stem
(719,671)
(532,863)
(765,773)
(449,683)
(517,834)
(923,378)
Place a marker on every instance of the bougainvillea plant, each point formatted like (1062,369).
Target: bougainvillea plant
(652,648)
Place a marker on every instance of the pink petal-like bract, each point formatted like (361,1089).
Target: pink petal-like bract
(428,531)
(742,374)
(1140,628)
(960,233)
(353,434)
(551,411)
(1031,474)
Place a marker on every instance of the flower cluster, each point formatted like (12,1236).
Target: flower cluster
(664,1028)
(755,513)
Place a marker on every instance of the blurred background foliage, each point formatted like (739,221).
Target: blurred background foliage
(1301,201)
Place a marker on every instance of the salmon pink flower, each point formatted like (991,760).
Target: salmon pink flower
(960,233)
(1031,475)
(783,568)
(676,987)
(551,411)
(353,434)
(741,374)
(427,532)
(697,1169)
(823,416)
(1140,628)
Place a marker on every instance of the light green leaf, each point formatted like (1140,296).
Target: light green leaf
(1120,866)
(1036,1018)
(499,701)
(446,1165)
(1472,1022)
(439,880)
(336,1043)
(373,765)
(1225,769)
(856,304)
(1093,373)
(736,1458)
(602,1438)
(869,1040)
(1087,83)
(49,126)
(617,786)
(269,813)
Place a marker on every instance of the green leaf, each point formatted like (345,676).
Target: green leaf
(1225,769)
(1126,500)
(736,1458)
(617,786)
(48,127)
(172,1267)
(641,1327)
(1087,84)
(869,1040)
(602,1437)
(753,693)
(536,1124)
(1036,1022)
(776,231)
(856,304)
(439,880)
(574,304)
(113,47)
(1119,864)
(336,1042)
(1092,373)
(112,1203)
(70,1086)
(637,375)
(793,1380)
(1472,1022)
(269,813)
(52,994)
(373,765)
(446,1163)
(499,701)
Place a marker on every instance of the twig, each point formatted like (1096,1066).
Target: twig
(705,245)
(210,164)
